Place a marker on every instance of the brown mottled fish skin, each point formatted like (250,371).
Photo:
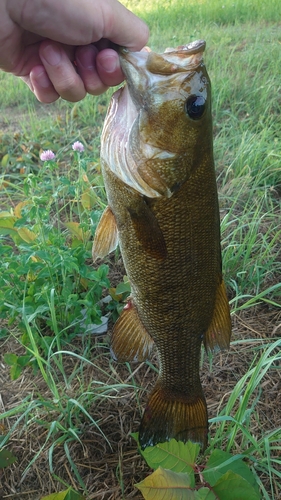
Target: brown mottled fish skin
(168,229)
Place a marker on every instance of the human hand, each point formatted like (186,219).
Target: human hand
(62,49)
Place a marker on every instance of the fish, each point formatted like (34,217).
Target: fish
(158,169)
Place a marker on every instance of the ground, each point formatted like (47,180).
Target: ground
(110,472)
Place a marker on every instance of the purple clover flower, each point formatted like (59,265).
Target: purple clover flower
(47,155)
(78,146)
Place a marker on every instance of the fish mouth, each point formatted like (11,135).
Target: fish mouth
(142,68)
(181,58)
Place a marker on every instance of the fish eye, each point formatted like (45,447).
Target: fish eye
(195,106)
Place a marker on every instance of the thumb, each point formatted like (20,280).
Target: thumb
(80,23)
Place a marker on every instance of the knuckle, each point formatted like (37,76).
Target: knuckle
(71,88)
(95,89)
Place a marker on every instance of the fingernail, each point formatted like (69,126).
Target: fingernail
(43,80)
(109,63)
(52,55)
(87,57)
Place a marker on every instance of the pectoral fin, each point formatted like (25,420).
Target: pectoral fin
(154,180)
(148,231)
(219,331)
(130,340)
(106,237)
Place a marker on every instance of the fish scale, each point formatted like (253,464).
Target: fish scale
(163,201)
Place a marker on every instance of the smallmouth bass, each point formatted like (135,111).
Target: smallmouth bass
(158,169)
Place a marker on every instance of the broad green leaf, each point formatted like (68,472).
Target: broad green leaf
(15,371)
(56,496)
(24,360)
(6,458)
(88,199)
(26,235)
(174,455)
(114,295)
(4,332)
(205,494)
(18,208)
(6,215)
(73,495)
(68,494)
(123,288)
(215,468)
(6,250)
(7,231)
(231,486)
(75,242)
(165,484)
(7,224)
(76,230)
(10,358)
(5,159)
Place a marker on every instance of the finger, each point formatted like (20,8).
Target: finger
(42,86)
(61,72)
(108,67)
(98,70)
(85,58)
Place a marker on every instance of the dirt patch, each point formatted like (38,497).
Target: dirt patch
(13,119)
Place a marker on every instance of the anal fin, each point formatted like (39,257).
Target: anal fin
(218,334)
(130,340)
(106,236)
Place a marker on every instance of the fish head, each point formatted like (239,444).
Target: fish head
(163,117)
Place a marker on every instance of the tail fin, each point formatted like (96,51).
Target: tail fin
(178,416)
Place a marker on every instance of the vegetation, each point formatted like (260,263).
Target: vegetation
(178,475)
(66,408)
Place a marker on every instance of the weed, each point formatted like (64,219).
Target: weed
(47,284)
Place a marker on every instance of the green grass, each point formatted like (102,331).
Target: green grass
(218,11)
(243,58)
(234,423)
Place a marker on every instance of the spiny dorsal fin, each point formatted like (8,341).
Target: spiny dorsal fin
(130,340)
(106,237)
(219,331)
